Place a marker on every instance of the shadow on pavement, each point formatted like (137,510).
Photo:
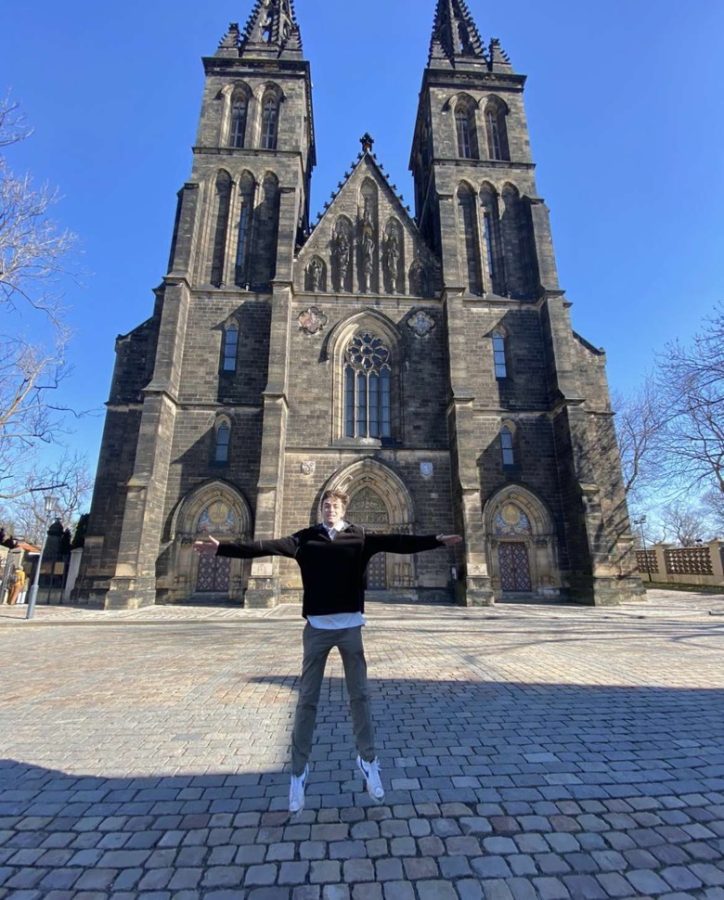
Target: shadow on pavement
(545,789)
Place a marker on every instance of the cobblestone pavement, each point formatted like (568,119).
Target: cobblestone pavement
(528,751)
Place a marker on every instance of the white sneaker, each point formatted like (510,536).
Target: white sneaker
(371,772)
(296,791)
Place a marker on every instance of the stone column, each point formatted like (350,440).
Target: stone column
(716,552)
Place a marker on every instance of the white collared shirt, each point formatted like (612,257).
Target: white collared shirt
(336,620)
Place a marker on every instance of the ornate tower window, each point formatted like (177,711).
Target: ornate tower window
(501,368)
(467,210)
(495,113)
(222,441)
(465,129)
(222,203)
(242,275)
(269,121)
(237,125)
(493,242)
(230,348)
(367,388)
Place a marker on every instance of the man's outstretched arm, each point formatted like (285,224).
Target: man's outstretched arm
(408,543)
(286,546)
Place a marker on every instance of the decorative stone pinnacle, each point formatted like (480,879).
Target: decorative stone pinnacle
(367,142)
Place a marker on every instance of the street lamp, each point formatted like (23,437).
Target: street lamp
(641,522)
(50,502)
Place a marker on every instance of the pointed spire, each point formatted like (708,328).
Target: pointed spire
(499,59)
(455,37)
(229,44)
(272,30)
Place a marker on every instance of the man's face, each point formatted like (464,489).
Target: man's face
(332,511)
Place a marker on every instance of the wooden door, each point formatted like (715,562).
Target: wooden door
(514,567)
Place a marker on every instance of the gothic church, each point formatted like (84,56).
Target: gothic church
(425,365)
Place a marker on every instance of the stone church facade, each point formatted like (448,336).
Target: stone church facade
(425,365)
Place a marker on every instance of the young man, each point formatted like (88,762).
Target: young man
(333,557)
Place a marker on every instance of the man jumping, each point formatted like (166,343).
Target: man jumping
(333,558)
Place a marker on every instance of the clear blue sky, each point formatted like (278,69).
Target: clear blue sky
(624,101)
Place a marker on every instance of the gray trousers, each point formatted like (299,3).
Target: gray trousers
(317,644)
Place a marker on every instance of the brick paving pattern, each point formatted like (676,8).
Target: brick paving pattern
(529,751)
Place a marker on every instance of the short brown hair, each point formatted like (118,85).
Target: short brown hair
(336,495)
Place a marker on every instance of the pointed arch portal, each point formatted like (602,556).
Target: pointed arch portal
(214,508)
(520,539)
(379,501)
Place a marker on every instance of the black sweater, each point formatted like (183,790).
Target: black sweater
(333,572)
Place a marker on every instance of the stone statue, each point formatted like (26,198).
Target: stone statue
(367,251)
(342,252)
(392,259)
(315,274)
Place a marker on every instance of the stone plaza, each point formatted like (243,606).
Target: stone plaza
(528,750)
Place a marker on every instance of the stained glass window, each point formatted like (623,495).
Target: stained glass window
(367,381)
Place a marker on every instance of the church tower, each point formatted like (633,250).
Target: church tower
(533,446)
(193,385)
(426,366)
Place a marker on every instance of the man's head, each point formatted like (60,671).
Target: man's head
(334,506)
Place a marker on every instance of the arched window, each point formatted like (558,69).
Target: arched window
(507,447)
(221,222)
(367,388)
(493,243)
(501,368)
(468,223)
(465,129)
(266,230)
(237,124)
(230,348)
(222,442)
(495,113)
(242,274)
(521,264)
(269,121)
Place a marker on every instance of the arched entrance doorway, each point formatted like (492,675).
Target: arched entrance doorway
(219,509)
(521,544)
(368,509)
(379,501)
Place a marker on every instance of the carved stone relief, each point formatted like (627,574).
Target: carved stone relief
(312,320)
(421,323)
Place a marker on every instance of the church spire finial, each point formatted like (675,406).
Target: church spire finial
(367,142)
(455,37)
(272,30)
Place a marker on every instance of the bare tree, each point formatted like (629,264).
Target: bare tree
(712,504)
(69,482)
(684,522)
(641,418)
(33,338)
(692,384)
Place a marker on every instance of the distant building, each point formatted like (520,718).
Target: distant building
(426,365)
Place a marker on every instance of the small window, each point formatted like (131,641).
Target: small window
(231,345)
(501,369)
(223,440)
(506,446)
(270,122)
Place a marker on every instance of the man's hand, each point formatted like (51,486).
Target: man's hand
(207,547)
(449,539)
